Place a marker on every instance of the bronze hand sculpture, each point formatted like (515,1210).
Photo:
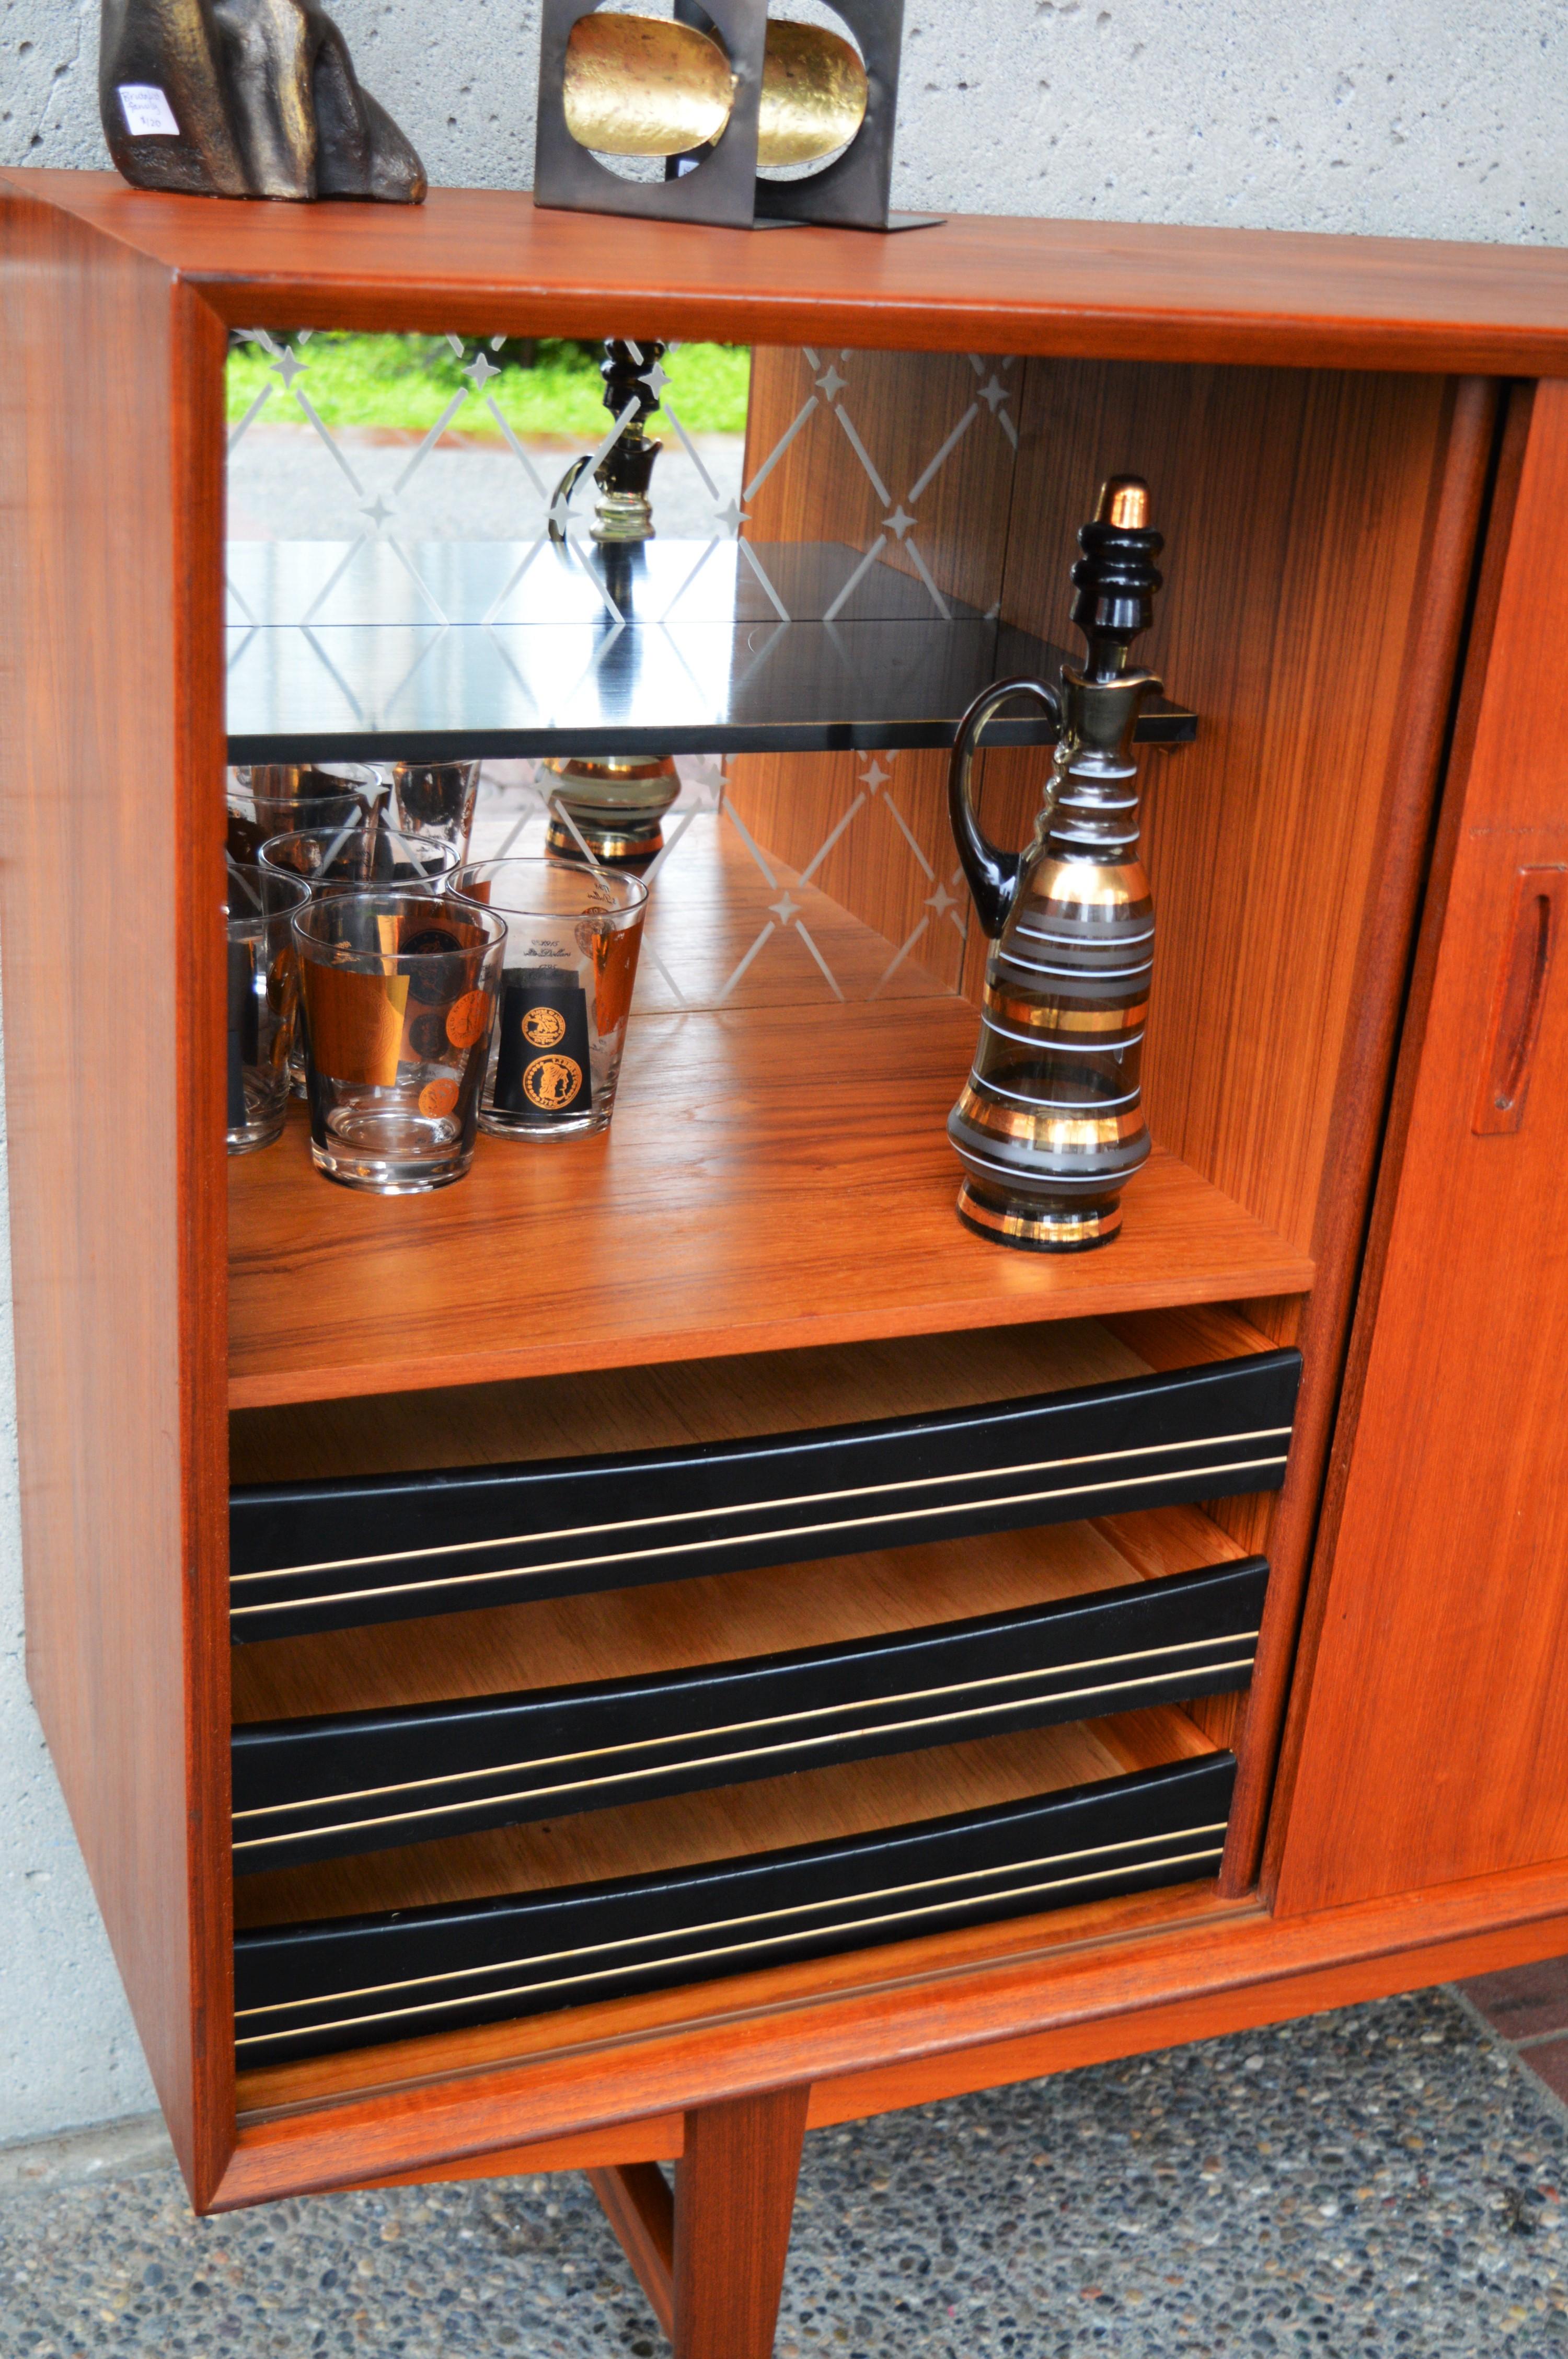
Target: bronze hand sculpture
(245,98)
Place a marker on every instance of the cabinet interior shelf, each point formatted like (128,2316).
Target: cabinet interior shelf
(773,1177)
(362,650)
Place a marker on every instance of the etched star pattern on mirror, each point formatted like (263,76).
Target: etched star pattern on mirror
(339,502)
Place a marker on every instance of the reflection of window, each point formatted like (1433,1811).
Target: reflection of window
(389,504)
(444,437)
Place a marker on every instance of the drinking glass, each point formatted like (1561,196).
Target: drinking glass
(346,858)
(272,798)
(262,989)
(398,1002)
(572,939)
(433,801)
(351,857)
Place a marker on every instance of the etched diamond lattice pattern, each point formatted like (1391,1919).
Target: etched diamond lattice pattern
(784,878)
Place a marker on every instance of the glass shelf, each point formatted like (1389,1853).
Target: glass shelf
(436,650)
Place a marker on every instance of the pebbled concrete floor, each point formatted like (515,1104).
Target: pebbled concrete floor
(1389,2180)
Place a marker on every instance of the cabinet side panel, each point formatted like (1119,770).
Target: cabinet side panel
(1433,1744)
(111,760)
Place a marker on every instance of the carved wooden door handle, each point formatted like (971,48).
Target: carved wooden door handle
(1519,998)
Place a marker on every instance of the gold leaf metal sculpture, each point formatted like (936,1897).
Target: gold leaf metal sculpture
(644,85)
(649,86)
(814,94)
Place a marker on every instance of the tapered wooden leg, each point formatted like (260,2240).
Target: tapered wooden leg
(639,2208)
(734,2201)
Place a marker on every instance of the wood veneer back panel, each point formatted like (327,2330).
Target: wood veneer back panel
(661,1407)
(111,766)
(1293,506)
(791,803)
(905,408)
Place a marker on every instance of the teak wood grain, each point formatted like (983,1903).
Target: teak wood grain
(764,1184)
(640,2207)
(1439,619)
(661,1404)
(734,2201)
(485,261)
(111,764)
(655,2138)
(1433,1743)
(110,706)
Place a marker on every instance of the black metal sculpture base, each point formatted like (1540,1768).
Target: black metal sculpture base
(245,98)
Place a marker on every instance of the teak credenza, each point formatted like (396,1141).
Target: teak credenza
(688,1687)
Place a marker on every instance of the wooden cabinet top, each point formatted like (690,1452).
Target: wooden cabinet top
(485,261)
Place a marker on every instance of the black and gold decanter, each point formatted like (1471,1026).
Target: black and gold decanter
(615,804)
(1050,1126)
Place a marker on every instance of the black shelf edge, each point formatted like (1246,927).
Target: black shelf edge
(1162,725)
(675,648)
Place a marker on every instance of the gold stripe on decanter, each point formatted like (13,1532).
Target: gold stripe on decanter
(1063,1130)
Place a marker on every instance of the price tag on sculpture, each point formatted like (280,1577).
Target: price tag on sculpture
(147,112)
(542,1069)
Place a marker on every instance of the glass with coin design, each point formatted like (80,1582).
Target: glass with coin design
(398,1005)
(262,989)
(573,938)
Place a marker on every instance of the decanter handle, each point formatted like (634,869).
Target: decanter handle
(561,497)
(993,875)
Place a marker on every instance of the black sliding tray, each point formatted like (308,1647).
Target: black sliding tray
(327,1556)
(315,1989)
(366,1781)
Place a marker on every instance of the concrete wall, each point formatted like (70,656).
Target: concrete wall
(1416,118)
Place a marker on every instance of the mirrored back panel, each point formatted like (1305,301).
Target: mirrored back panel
(530,551)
